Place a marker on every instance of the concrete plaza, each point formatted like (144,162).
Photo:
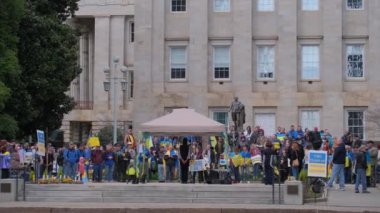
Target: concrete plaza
(339,201)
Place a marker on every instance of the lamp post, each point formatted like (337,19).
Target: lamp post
(110,85)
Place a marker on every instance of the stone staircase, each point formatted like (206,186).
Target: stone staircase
(153,193)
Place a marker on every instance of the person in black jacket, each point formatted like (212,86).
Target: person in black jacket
(184,160)
(267,155)
(339,159)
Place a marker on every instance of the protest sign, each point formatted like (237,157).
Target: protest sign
(197,165)
(41,142)
(317,164)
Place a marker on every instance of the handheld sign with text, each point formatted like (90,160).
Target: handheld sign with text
(41,142)
(317,164)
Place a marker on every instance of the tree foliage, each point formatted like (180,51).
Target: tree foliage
(48,58)
(11,12)
(106,135)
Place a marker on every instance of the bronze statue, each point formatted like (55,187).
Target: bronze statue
(237,110)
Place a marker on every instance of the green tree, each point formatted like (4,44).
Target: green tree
(106,135)
(48,57)
(11,12)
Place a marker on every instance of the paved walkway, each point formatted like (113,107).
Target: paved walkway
(349,198)
(339,201)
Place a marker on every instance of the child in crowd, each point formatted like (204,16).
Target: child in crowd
(81,167)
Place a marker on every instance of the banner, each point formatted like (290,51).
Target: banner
(197,165)
(317,164)
(41,142)
(281,136)
(93,142)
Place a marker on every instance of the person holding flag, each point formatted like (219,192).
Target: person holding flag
(130,138)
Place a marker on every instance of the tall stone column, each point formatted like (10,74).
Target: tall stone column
(198,54)
(117,31)
(101,60)
(287,63)
(331,67)
(158,47)
(143,100)
(241,62)
(374,64)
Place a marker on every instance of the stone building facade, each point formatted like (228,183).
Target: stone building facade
(308,62)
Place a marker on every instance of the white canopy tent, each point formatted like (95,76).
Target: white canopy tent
(183,122)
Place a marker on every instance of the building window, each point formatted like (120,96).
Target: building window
(177,63)
(131,83)
(265,5)
(310,118)
(220,115)
(265,62)
(266,121)
(178,5)
(355,122)
(310,5)
(354,4)
(132,31)
(221,5)
(221,62)
(310,62)
(355,61)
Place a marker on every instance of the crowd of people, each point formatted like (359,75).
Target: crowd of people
(285,154)
(247,156)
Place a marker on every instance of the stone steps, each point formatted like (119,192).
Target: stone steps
(152,193)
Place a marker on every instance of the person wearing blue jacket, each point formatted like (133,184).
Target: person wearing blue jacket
(109,162)
(292,134)
(339,158)
(72,159)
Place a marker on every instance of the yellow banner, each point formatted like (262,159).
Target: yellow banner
(93,142)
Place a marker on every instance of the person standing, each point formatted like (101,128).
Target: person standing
(246,155)
(296,157)
(292,134)
(373,152)
(268,153)
(109,162)
(122,164)
(184,160)
(338,162)
(130,138)
(256,160)
(161,164)
(219,149)
(97,161)
(47,163)
(170,158)
(5,161)
(143,162)
(72,161)
(360,169)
